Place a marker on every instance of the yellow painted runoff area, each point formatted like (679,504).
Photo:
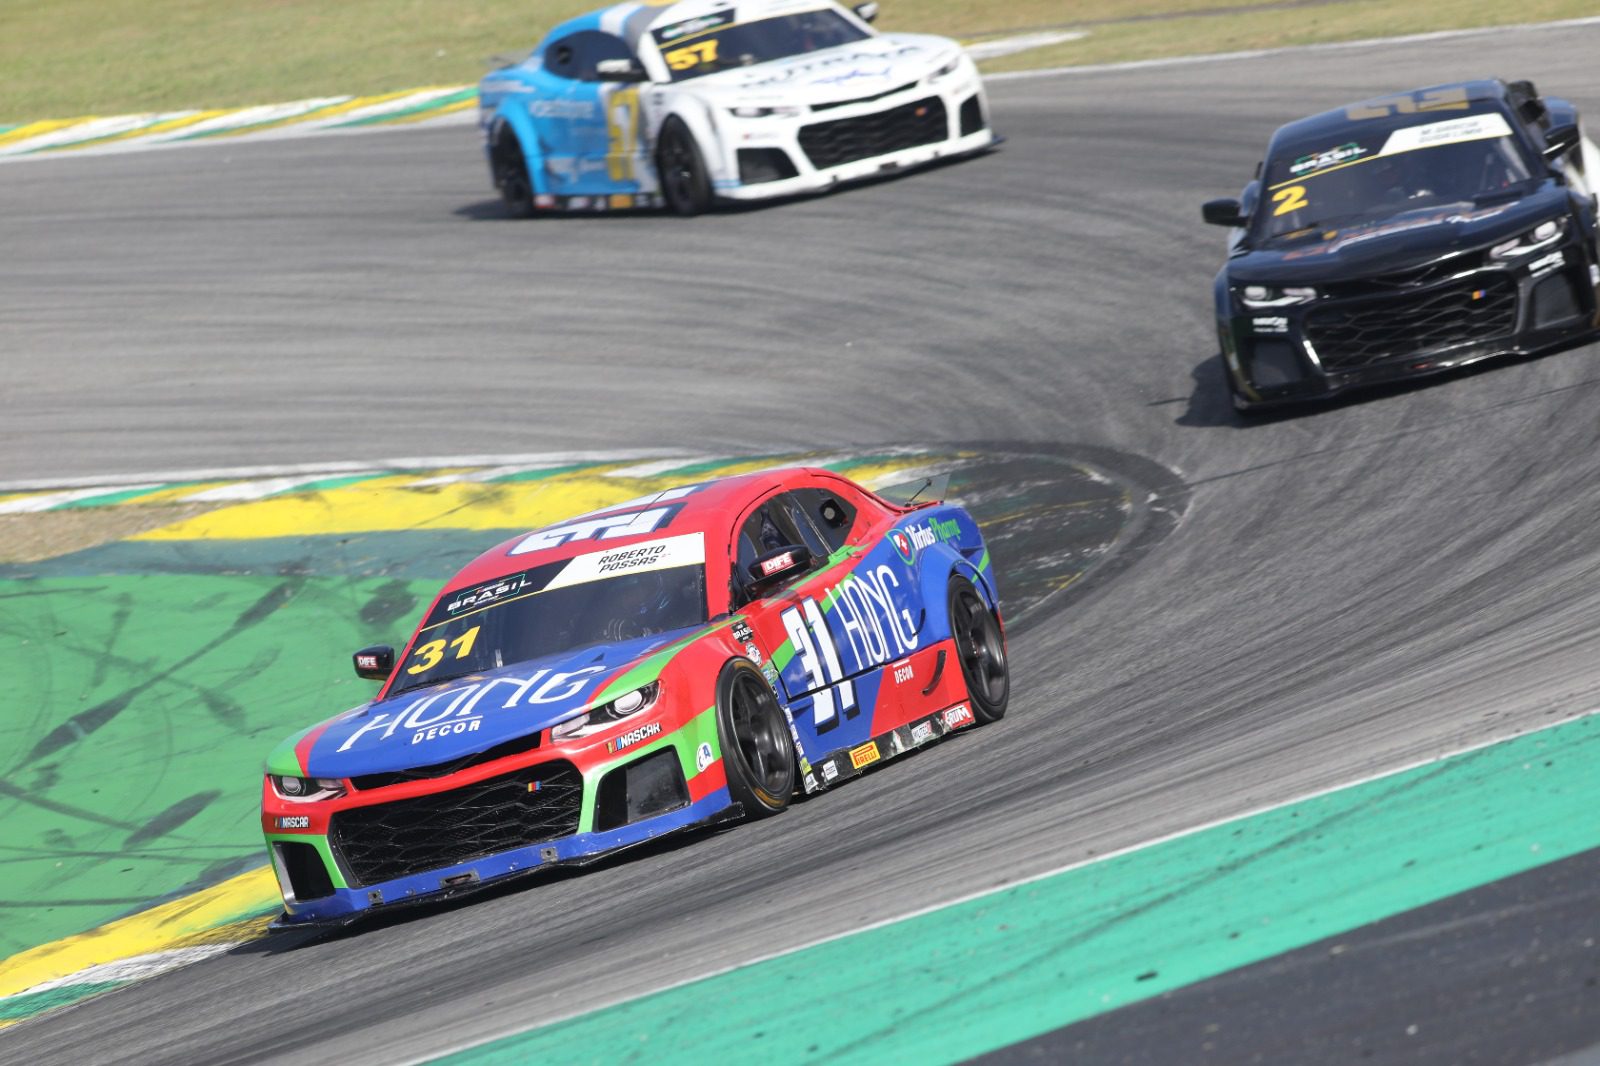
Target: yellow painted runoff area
(398,503)
(389,504)
(227,912)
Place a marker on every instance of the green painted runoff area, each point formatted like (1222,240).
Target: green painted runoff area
(982,974)
(140,708)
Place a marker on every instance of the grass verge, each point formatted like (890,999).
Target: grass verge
(82,57)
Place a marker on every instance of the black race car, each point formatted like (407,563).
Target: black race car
(1404,236)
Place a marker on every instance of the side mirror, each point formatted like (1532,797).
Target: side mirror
(866,12)
(620,70)
(1222,213)
(375,663)
(778,565)
(1559,140)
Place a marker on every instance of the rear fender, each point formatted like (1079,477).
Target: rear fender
(959,550)
(511,119)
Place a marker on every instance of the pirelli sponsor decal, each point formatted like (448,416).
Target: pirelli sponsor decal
(865,755)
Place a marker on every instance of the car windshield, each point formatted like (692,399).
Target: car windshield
(544,611)
(1385,166)
(706,45)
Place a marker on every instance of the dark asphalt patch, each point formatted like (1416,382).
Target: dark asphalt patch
(1505,973)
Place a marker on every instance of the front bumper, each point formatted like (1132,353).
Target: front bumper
(420,841)
(767,158)
(1355,337)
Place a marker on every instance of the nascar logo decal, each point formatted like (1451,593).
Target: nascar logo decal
(633,736)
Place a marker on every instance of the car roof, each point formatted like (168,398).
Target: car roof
(710,508)
(631,21)
(1336,122)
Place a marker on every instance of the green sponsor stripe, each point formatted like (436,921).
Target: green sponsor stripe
(417,109)
(1027,959)
(650,669)
(27,1004)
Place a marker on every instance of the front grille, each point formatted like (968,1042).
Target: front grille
(845,140)
(864,99)
(515,746)
(1359,335)
(389,840)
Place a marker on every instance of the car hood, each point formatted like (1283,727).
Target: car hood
(1397,242)
(443,722)
(848,72)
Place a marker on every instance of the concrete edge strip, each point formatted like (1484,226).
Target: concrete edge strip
(1022,882)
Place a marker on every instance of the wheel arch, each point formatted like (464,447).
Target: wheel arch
(511,118)
(950,559)
(695,114)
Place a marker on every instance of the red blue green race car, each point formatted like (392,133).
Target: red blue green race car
(703,654)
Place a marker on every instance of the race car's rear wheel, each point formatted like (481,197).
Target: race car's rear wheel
(757,748)
(981,647)
(684,180)
(510,172)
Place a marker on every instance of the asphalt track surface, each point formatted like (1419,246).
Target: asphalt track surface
(1349,591)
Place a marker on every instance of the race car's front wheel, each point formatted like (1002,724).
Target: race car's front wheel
(510,172)
(684,181)
(757,748)
(982,650)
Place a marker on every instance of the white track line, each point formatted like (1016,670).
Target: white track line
(31,504)
(135,968)
(986,892)
(259,490)
(1005,46)
(1328,46)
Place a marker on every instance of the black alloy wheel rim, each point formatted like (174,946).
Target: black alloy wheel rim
(759,735)
(983,656)
(679,168)
(513,178)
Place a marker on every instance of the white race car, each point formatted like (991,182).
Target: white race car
(642,105)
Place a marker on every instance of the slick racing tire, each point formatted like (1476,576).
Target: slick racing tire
(757,747)
(1241,403)
(684,180)
(510,170)
(981,649)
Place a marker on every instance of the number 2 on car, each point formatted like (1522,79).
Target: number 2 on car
(1291,199)
(428,655)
